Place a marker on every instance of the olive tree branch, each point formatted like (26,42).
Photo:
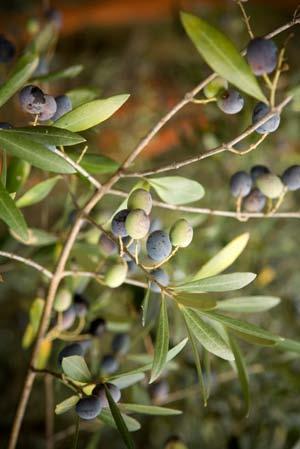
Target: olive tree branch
(96,197)
(208,211)
(28,262)
(217,150)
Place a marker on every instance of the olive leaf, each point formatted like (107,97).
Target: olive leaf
(224,258)
(76,368)
(33,152)
(248,304)
(221,55)
(38,192)
(220,283)
(206,334)
(22,71)
(176,189)
(11,215)
(162,342)
(92,113)
(118,418)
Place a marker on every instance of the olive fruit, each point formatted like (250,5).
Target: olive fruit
(230,101)
(97,327)
(255,201)
(291,177)
(270,185)
(120,344)
(63,300)
(158,246)
(137,224)
(116,274)
(160,275)
(88,408)
(118,223)
(260,110)
(99,391)
(140,199)
(69,350)
(181,233)
(262,55)
(240,184)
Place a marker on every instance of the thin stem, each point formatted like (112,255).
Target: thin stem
(208,211)
(217,150)
(250,148)
(49,411)
(78,168)
(246,19)
(154,267)
(76,434)
(28,262)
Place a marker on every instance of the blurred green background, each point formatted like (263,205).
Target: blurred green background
(156,64)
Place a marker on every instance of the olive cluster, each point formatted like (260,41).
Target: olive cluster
(88,407)
(34,101)
(262,58)
(260,184)
(133,224)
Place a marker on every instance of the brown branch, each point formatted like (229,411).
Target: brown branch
(28,262)
(97,277)
(217,150)
(208,211)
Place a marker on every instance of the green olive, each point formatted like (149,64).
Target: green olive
(140,199)
(181,233)
(270,185)
(116,274)
(63,300)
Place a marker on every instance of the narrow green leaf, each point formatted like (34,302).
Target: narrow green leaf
(207,335)
(17,174)
(90,114)
(145,306)
(4,168)
(49,135)
(195,301)
(35,314)
(82,95)
(221,55)
(132,424)
(242,372)
(37,193)
(120,423)
(22,71)
(150,410)
(33,152)
(172,353)
(66,405)
(243,327)
(221,283)
(248,304)
(76,368)
(127,381)
(95,163)
(289,345)
(70,72)
(11,215)
(176,189)
(224,258)
(44,39)
(162,342)
(202,387)
(36,237)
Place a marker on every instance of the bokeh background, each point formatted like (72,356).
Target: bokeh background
(140,47)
